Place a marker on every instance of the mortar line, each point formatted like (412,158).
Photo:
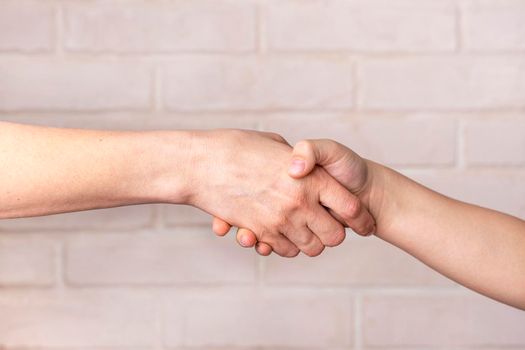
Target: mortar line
(460,145)
(157,92)
(261,45)
(59,30)
(358,322)
(459,44)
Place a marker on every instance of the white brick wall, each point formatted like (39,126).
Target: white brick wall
(435,88)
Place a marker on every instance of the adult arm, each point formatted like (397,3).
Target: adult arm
(51,170)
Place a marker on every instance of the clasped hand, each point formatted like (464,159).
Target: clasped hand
(278,196)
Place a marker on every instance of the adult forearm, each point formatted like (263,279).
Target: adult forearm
(51,170)
(480,248)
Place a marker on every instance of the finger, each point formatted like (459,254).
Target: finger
(348,207)
(305,240)
(263,249)
(364,225)
(307,153)
(281,245)
(220,227)
(329,231)
(246,238)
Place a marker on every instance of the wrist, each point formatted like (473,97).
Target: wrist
(375,192)
(164,166)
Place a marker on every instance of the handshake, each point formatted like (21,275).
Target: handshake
(285,199)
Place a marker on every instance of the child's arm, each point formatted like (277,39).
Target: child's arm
(480,248)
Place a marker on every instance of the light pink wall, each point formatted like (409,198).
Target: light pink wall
(435,88)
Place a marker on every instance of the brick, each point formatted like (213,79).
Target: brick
(441,321)
(271,318)
(494,25)
(501,190)
(26,261)
(417,141)
(444,83)
(139,26)
(122,218)
(77,319)
(87,86)
(495,142)
(184,256)
(17,35)
(257,83)
(378,26)
(357,262)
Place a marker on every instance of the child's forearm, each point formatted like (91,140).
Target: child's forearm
(49,170)
(477,247)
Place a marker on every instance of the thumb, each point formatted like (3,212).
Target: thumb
(309,153)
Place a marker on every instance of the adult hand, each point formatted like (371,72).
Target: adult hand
(341,163)
(241,177)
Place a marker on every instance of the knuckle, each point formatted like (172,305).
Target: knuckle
(353,209)
(280,222)
(296,201)
(304,240)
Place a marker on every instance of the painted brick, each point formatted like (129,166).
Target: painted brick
(80,86)
(76,319)
(141,26)
(26,261)
(271,318)
(184,256)
(26,26)
(370,26)
(494,25)
(441,321)
(495,142)
(257,83)
(442,83)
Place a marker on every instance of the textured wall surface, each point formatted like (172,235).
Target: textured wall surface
(434,88)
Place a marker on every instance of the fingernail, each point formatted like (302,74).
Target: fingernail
(297,166)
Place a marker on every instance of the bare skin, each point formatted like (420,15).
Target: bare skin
(479,248)
(51,170)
